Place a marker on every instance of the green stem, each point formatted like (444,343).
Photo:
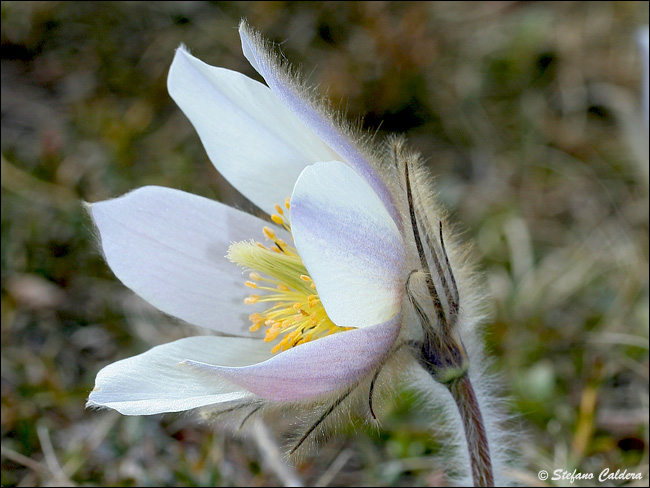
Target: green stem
(477,444)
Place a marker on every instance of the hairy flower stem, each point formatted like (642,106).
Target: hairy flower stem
(477,444)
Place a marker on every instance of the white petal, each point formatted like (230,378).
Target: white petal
(349,244)
(326,365)
(251,138)
(158,381)
(169,247)
(294,98)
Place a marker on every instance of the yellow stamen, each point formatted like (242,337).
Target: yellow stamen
(295,314)
(278,209)
(272,334)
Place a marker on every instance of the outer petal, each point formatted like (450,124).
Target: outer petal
(169,247)
(249,135)
(349,244)
(157,381)
(316,368)
(321,124)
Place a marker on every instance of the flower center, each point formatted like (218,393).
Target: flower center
(296,312)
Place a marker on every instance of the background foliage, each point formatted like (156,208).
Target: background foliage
(530,117)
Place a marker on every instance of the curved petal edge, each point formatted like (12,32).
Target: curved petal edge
(324,366)
(294,97)
(351,247)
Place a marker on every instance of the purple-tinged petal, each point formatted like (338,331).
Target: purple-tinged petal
(349,244)
(169,247)
(291,94)
(250,136)
(158,381)
(316,368)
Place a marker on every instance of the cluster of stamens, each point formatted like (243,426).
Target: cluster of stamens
(296,311)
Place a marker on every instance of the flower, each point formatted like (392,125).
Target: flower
(350,276)
(334,297)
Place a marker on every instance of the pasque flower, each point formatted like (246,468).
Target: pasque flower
(350,271)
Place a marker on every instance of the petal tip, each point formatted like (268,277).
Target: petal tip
(243,27)
(246,31)
(183,50)
(87,206)
(94,405)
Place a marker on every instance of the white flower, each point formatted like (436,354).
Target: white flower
(352,273)
(170,247)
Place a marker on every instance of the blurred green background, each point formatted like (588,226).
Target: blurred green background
(529,114)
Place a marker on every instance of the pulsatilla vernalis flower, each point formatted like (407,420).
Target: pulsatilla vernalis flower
(350,271)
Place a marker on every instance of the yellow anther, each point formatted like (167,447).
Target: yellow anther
(294,314)
(283,345)
(306,338)
(271,335)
